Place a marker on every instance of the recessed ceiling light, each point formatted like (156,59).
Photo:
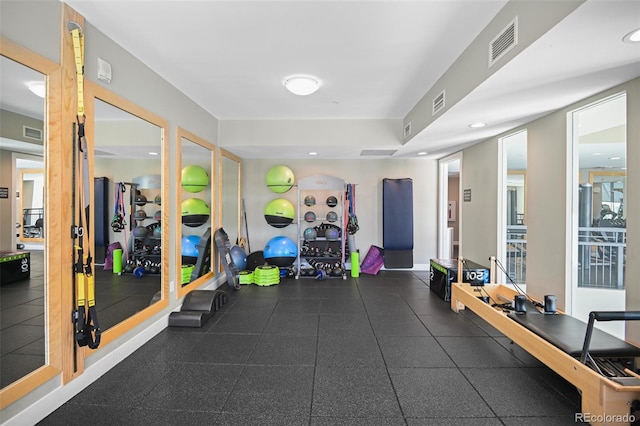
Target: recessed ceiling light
(614,158)
(632,37)
(597,153)
(313,153)
(302,85)
(153,153)
(37,88)
(477,125)
(422,153)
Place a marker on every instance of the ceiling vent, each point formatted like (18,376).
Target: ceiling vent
(503,42)
(438,103)
(32,133)
(377,152)
(407,130)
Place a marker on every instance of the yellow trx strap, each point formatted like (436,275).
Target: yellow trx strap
(86,318)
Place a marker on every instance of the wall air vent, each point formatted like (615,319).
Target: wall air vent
(377,152)
(503,42)
(438,103)
(32,133)
(407,130)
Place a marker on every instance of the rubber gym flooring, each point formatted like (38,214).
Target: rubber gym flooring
(374,350)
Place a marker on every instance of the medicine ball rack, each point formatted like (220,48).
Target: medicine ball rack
(321,257)
(144,251)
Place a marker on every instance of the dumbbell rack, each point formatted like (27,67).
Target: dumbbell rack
(145,251)
(322,253)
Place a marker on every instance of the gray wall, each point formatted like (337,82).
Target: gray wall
(546,200)
(367,175)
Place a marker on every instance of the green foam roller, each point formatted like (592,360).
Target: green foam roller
(117,261)
(355,264)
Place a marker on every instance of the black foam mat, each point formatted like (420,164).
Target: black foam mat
(567,333)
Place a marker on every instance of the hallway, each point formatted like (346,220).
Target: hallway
(374,350)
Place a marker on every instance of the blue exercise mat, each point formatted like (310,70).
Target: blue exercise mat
(397,222)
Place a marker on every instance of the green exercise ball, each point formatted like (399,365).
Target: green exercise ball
(194,178)
(195,212)
(279,212)
(280,179)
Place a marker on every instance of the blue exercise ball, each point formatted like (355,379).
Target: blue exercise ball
(190,245)
(239,257)
(280,251)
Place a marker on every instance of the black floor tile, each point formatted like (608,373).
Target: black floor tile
(293,324)
(516,394)
(351,351)
(397,325)
(192,387)
(354,392)
(436,393)
(285,390)
(273,349)
(414,352)
(479,352)
(374,350)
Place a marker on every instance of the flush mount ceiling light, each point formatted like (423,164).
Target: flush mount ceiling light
(632,37)
(477,125)
(37,88)
(302,85)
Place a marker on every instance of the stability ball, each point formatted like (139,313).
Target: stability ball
(190,245)
(239,257)
(194,178)
(279,212)
(280,179)
(195,212)
(280,251)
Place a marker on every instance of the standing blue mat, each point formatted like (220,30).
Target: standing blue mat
(397,222)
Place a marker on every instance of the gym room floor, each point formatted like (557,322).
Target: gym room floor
(373,350)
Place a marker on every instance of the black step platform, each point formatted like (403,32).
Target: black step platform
(197,308)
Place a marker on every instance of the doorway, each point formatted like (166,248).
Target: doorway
(449,210)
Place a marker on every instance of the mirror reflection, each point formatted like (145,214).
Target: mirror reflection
(516,184)
(127,212)
(23,218)
(231,196)
(196,213)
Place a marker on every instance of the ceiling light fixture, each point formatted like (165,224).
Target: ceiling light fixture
(422,153)
(632,37)
(313,153)
(477,125)
(37,88)
(302,85)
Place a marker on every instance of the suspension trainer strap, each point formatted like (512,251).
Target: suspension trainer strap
(86,318)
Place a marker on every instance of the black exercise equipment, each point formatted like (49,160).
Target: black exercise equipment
(397,222)
(203,262)
(197,308)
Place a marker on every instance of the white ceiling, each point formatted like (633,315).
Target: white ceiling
(375,59)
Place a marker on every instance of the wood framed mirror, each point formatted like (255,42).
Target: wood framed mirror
(127,147)
(197,190)
(31,138)
(230,192)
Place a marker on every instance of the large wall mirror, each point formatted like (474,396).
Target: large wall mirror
(230,190)
(130,182)
(195,199)
(29,341)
